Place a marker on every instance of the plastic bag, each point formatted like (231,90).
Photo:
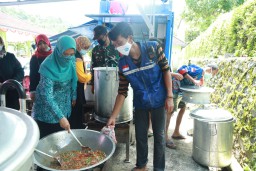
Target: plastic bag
(109,130)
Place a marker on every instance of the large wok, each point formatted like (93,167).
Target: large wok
(63,141)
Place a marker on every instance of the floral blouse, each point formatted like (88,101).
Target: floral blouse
(53,100)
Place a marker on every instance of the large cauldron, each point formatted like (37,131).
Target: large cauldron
(213,136)
(19,135)
(63,141)
(106,82)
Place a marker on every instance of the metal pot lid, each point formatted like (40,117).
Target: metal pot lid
(19,138)
(197,89)
(105,68)
(211,114)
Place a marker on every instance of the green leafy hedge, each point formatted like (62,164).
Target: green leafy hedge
(232,34)
(235,90)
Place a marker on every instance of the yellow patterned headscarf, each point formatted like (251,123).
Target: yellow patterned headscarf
(82,42)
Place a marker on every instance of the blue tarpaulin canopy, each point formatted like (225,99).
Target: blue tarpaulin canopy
(54,38)
(85,29)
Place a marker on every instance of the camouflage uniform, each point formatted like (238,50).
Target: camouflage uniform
(100,55)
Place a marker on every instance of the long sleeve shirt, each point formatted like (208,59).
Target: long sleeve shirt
(34,75)
(53,100)
(146,77)
(10,68)
(124,83)
(82,76)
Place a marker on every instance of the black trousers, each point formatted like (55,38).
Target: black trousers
(12,99)
(77,114)
(76,118)
(47,128)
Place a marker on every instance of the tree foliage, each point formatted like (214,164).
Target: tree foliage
(54,25)
(199,14)
(232,34)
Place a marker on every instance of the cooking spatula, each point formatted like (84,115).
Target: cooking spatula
(84,148)
(56,158)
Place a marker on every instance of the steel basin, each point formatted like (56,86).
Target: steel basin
(196,95)
(63,141)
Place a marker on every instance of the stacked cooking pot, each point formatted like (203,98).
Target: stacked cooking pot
(213,129)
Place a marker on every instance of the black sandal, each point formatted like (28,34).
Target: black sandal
(170,144)
(134,169)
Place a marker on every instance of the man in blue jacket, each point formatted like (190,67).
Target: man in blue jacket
(145,67)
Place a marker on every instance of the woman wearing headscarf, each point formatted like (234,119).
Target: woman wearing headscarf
(43,50)
(56,90)
(76,119)
(10,68)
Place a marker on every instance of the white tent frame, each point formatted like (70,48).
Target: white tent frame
(24,2)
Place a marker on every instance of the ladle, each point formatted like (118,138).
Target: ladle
(84,148)
(56,158)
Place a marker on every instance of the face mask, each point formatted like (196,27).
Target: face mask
(1,56)
(83,52)
(48,49)
(207,76)
(67,58)
(101,42)
(125,49)
(1,47)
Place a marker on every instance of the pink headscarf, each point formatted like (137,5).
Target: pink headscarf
(39,53)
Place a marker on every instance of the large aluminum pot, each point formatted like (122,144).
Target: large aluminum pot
(106,82)
(196,95)
(19,135)
(62,141)
(89,97)
(213,137)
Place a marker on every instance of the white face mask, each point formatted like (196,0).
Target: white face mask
(207,76)
(82,52)
(48,49)
(125,49)
(1,47)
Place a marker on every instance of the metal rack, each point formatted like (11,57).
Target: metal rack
(163,28)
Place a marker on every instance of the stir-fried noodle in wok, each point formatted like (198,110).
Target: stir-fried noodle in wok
(78,159)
